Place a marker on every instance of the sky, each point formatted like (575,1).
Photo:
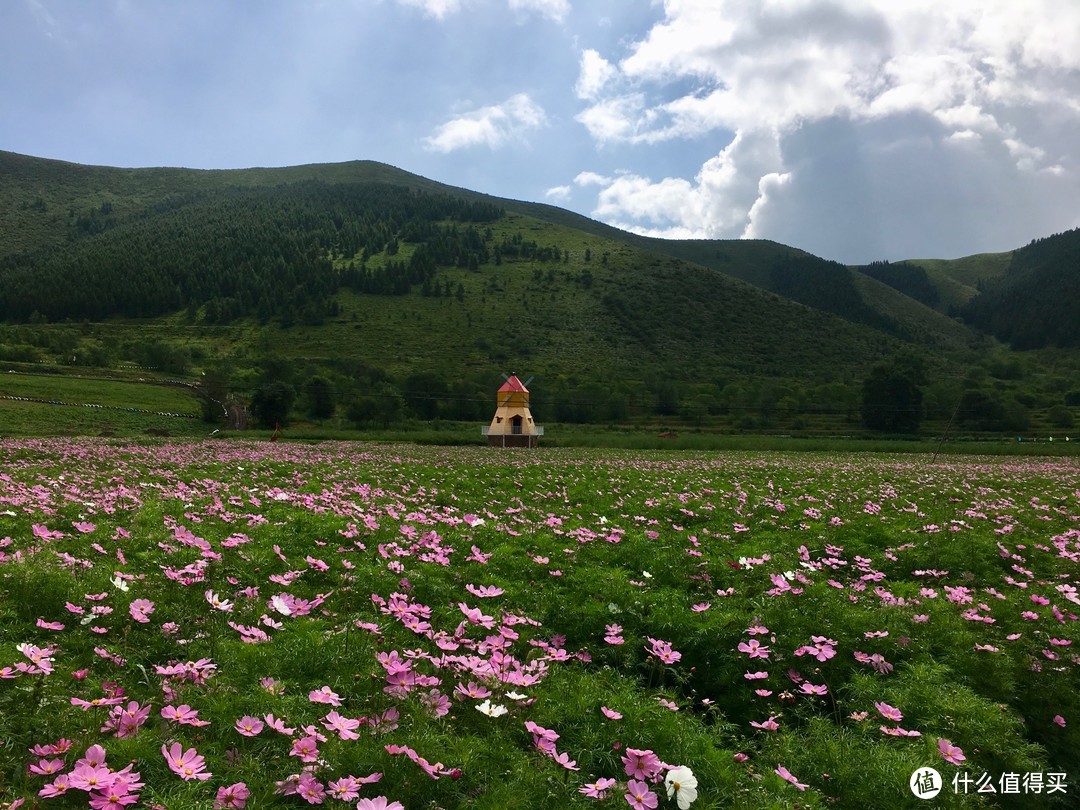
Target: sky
(858,130)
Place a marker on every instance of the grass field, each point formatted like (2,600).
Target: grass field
(453,627)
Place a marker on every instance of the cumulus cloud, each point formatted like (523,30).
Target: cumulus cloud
(553,9)
(558,193)
(595,72)
(434,8)
(993,77)
(492,126)
(440,9)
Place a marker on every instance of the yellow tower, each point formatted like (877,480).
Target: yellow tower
(512,425)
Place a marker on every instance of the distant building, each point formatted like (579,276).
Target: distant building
(512,425)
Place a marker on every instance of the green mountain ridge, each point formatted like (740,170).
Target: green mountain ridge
(373,276)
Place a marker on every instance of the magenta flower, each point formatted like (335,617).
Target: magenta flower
(249,726)
(379,803)
(347,788)
(114,797)
(233,796)
(951,753)
(90,777)
(641,764)
(785,774)
(597,789)
(184,715)
(47,767)
(187,764)
(638,795)
(1059,720)
(324,695)
(754,648)
(124,722)
(306,748)
(58,787)
(344,726)
(310,789)
(662,650)
(889,712)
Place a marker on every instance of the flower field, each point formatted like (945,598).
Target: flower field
(227,624)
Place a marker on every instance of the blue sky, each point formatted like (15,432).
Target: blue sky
(854,129)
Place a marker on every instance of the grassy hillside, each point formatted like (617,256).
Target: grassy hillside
(397,296)
(957,280)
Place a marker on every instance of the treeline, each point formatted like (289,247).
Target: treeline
(1037,302)
(910,279)
(825,285)
(267,252)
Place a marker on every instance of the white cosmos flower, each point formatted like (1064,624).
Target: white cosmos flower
(218,602)
(278,604)
(682,784)
(119,584)
(491,711)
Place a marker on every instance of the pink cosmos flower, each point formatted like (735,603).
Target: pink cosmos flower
(638,795)
(379,803)
(784,773)
(124,722)
(484,591)
(952,753)
(324,695)
(472,690)
(347,788)
(187,764)
(662,650)
(344,726)
(597,789)
(140,610)
(310,789)
(114,797)
(249,726)
(184,715)
(754,648)
(90,777)
(889,712)
(47,767)
(1059,720)
(94,756)
(641,764)
(58,787)
(564,760)
(233,796)
(306,749)
(610,714)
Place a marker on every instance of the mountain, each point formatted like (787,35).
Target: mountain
(1036,302)
(379,280)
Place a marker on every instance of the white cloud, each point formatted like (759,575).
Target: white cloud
(591,179)
(558,193)
(595,72)
(995,77)
(553,9)
(492,126)
(438,9)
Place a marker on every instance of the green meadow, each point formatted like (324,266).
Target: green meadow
(357,624)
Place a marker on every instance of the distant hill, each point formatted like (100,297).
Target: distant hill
(1036,302)
(393,287)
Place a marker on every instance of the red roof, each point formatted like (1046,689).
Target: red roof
(513,384)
